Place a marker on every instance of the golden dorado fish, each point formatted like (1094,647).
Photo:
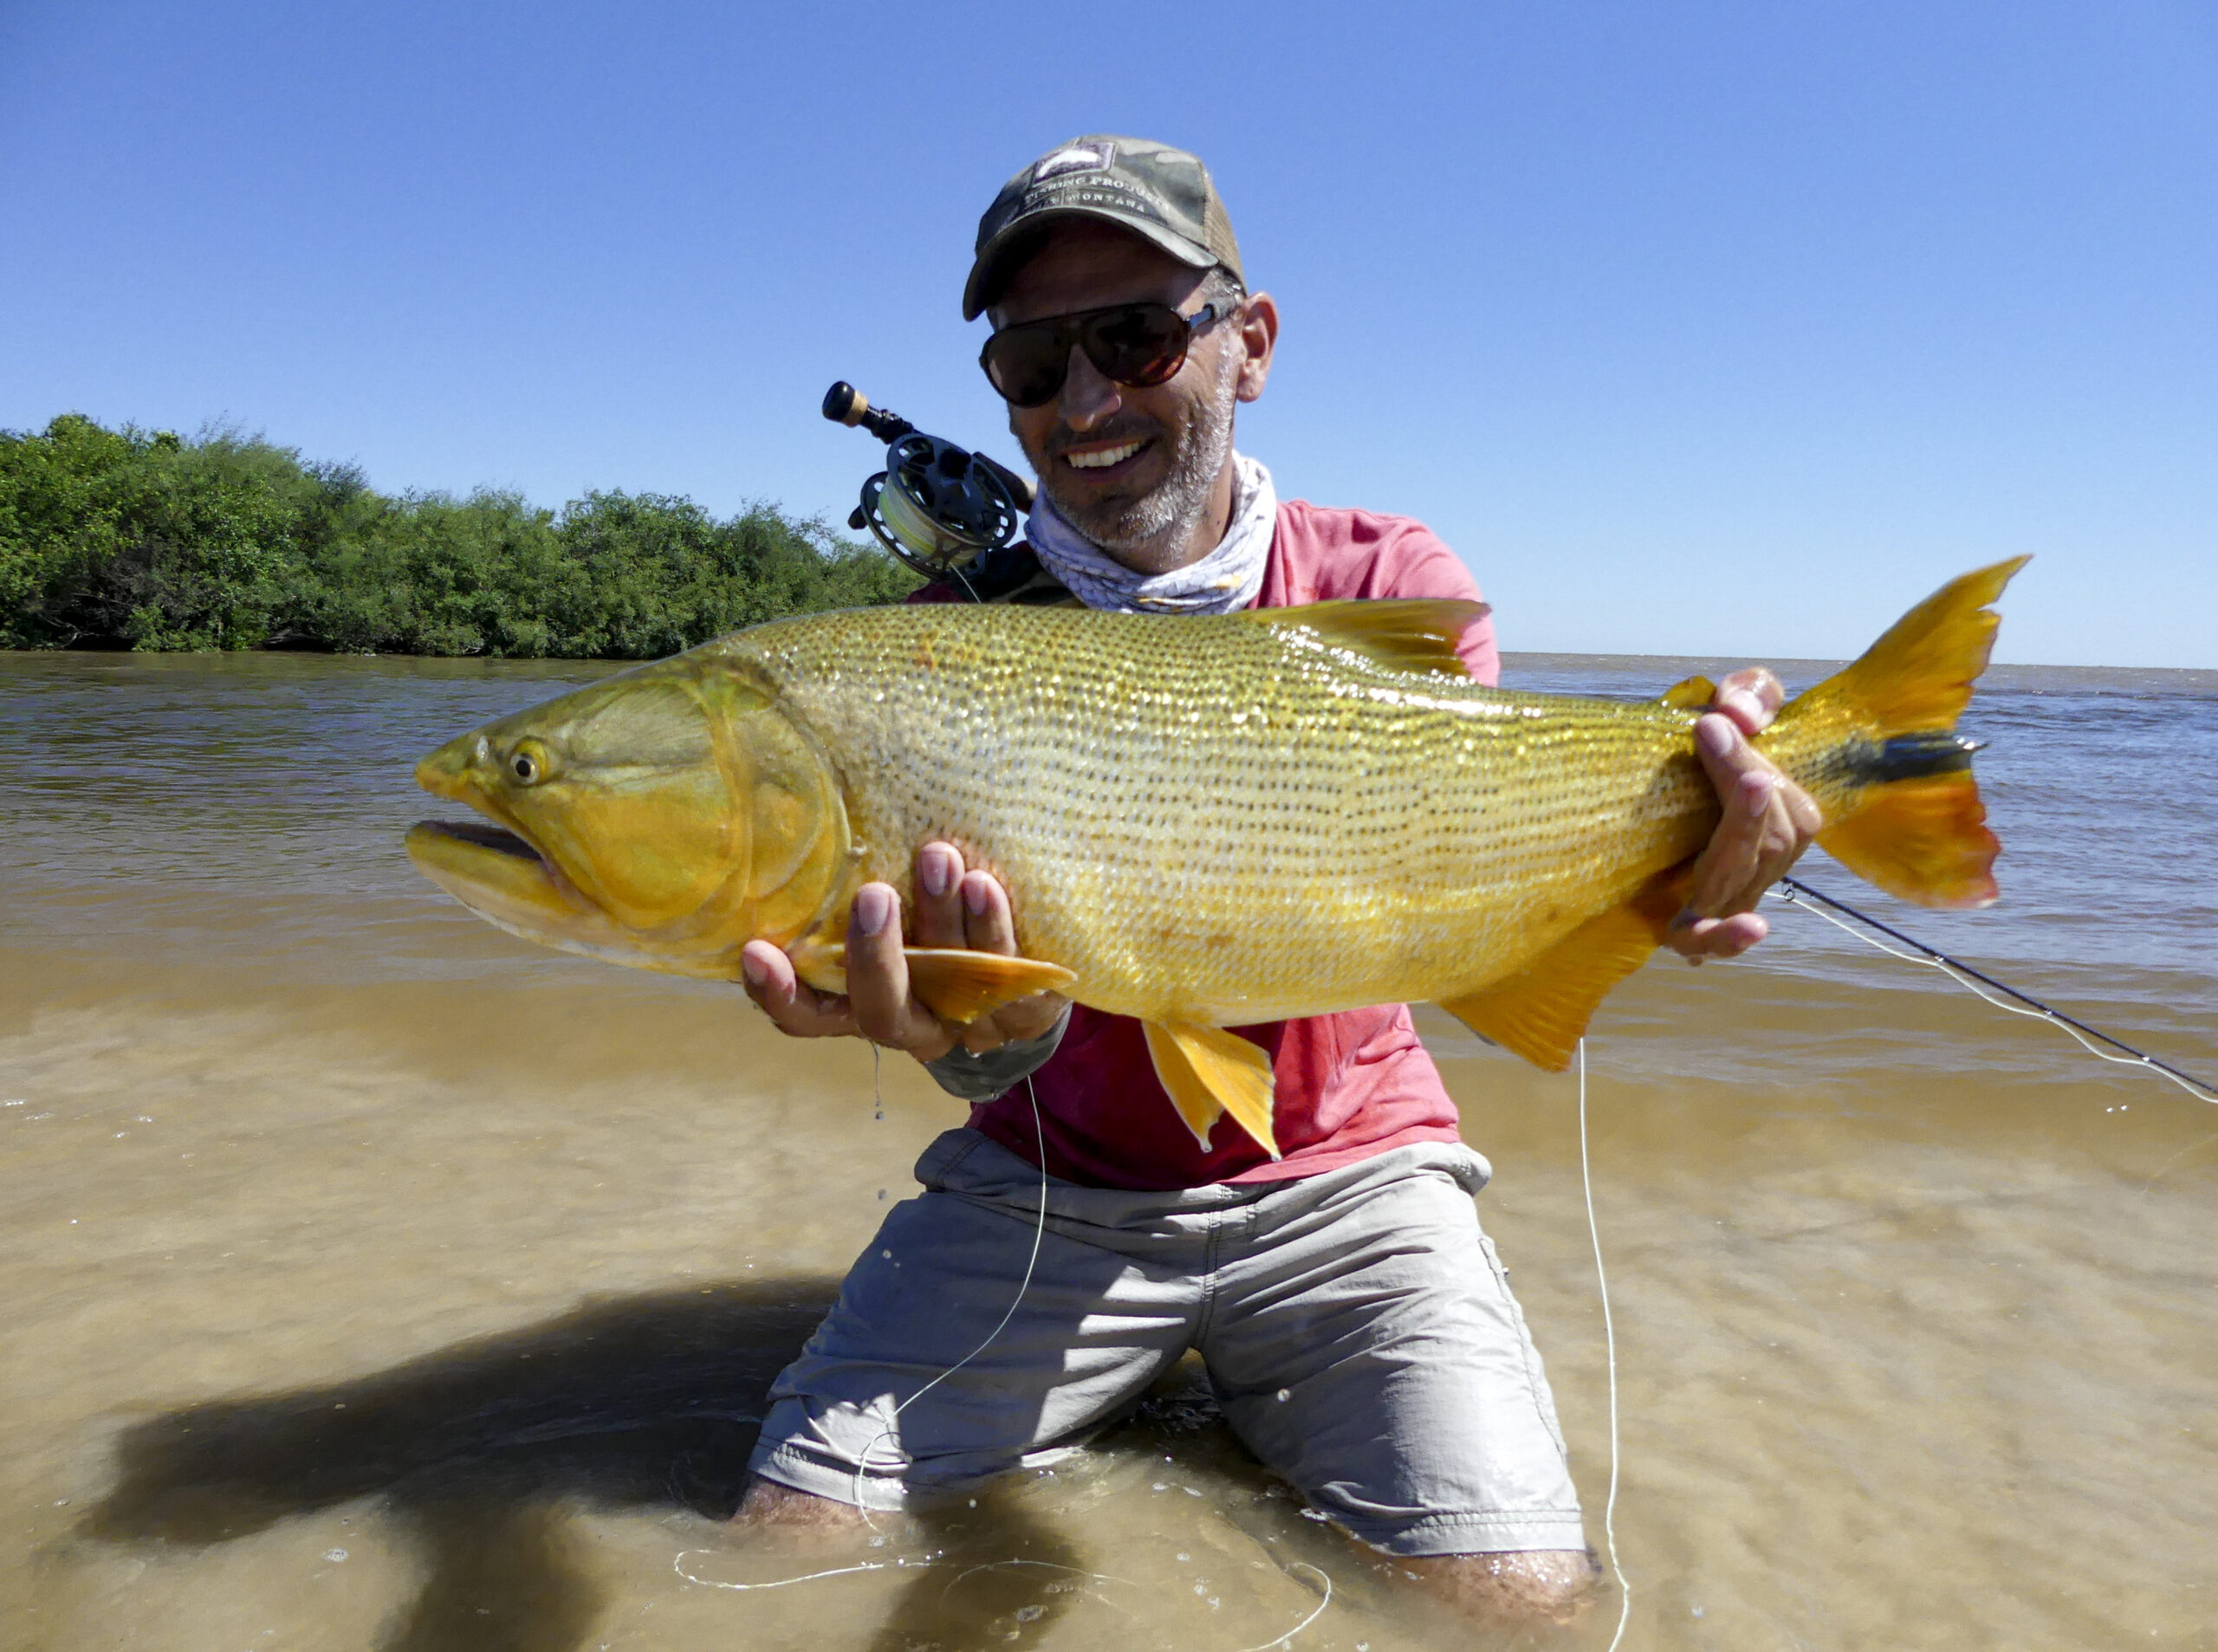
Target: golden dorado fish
(1203,823)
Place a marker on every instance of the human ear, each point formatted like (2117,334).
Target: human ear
(1258,333)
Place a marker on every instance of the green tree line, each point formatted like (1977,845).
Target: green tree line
(133,539)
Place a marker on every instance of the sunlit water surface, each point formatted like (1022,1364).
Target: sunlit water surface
(372,1280)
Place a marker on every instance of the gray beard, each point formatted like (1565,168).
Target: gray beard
(1145,533)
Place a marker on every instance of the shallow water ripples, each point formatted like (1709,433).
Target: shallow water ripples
(341,1225)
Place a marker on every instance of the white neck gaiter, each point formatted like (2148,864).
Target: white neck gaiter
(1224,581)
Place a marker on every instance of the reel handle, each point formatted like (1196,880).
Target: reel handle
(844,405)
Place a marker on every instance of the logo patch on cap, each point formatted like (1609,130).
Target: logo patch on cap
(1078,158)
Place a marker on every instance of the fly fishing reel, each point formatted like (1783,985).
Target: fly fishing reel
(936,506)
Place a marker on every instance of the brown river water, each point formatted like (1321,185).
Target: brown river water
(372,1280)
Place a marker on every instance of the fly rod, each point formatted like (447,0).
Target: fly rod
(1801,894)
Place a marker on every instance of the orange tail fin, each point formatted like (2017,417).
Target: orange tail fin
(1917,826)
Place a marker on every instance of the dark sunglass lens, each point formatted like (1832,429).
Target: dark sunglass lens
(1137,344)
(1027,364)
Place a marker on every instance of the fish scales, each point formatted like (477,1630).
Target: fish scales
(1229,823)
(1203,823)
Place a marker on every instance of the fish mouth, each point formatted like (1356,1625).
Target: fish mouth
(487,867)
(499,839)
(498,875)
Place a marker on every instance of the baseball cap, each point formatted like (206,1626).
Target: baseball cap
(1156,192)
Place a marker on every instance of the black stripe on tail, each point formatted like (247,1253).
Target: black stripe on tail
(1913,757)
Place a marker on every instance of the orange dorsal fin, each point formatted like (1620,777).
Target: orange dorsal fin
(1208,1072)
(1541,1011)
(1405,634)
(1689,694)
(954,984)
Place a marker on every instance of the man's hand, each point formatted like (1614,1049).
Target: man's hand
(1769,821)
(955,908)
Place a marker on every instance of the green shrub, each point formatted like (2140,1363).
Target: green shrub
(132,538)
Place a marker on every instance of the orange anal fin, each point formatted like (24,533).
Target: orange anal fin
(1923,840)
(1403,633)
(1541,1011)
(1689,694)
(1208,1072)
(954,984)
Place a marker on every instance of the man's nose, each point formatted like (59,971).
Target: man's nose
(1089,395)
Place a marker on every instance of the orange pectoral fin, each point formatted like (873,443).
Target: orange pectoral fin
(960,986)
(1541,1011)
(1689,694)
(1208,1072)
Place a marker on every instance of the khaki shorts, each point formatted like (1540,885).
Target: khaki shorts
(1357,1326)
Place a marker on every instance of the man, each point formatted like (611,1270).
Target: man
(1358,1331)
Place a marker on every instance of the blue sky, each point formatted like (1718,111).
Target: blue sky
(1719,328)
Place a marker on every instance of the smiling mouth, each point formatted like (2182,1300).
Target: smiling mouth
(1104,458)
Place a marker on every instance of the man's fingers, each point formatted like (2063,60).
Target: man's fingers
(987,923)
(989,926)
(1751,698)
(1766,821)
(1790,825)
(878,1005)
(1745,784)
(792,1006)
(939,896)
(1766,824)
(1695,938)
(878,974)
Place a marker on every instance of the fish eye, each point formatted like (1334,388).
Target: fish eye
(527,763)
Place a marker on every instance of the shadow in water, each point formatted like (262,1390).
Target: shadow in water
(644,1402)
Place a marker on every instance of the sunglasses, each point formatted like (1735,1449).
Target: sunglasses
(1133,344)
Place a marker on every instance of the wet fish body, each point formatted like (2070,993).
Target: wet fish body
(1202,822)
